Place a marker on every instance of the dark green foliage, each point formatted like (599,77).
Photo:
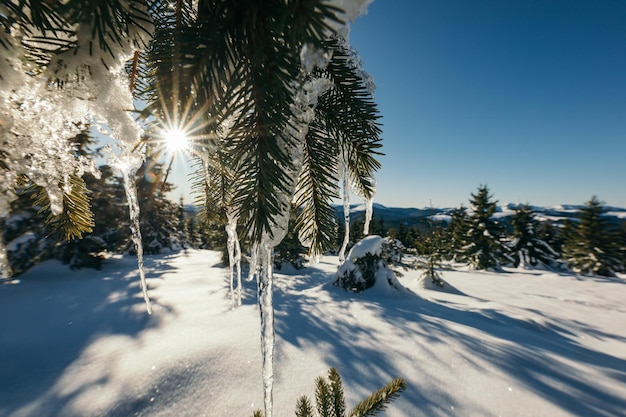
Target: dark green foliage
(330,400)
(304,407)
(481,238)
(409,236)
(56,21)
(360,272)
(527,247)
(88,252)
(338,402)
(432,253)
(159,217)
(590,245)
(182,224)
(377,402)
(363,276)
(108,200)
(25,234)
(324,398)
(244,69)
(76,218)
(621,242)
(37,234)
(345,128)
(457,231)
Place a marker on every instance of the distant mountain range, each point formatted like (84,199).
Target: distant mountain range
(394,216)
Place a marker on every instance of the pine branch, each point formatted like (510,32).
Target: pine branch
(351,117)
(304,407)
(323,398)
(316,189)
(338,401)
(376,402)
(76,218)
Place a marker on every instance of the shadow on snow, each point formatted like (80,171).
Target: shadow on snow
(537,355)
(67,310)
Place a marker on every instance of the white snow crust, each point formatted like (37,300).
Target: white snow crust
(517,344)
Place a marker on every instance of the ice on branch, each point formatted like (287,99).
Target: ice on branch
(351,10)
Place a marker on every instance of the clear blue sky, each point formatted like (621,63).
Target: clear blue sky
(525,96)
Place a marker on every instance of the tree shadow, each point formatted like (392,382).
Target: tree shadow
(539,353)
(56,313)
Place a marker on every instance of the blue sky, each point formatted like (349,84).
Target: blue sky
(527,97)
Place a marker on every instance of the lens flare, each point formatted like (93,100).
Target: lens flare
(176,140)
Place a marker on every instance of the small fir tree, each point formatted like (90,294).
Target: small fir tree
(330,399)
(527,247)
(367,262)
(482,245)
(457,232)
(589,247)
(182,224)
(159,217)
(432,251)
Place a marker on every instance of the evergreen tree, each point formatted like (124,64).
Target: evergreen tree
(159,217)
(25,233)
(378,227)
(183,224)
(551,233)
(527,247)
(621,242)
(589,247)
(35,234)
(432,251)
(482,245)
(108,203)
(457,232)
(193,237)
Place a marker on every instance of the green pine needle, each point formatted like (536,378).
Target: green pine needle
(376,402)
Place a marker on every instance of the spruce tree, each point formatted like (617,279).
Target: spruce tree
(432,251)
(457,231)
(527,247)
(183,224)
(25,233)
(159,217)
(482,244)
(590,247)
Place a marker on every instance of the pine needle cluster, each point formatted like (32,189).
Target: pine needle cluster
(330,399)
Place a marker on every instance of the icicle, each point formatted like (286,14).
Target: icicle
(346,213)
(239,293)
(5,267)
(230,244)
(234,259)
(369,208)
(265,283)
(128,165)
(254,262)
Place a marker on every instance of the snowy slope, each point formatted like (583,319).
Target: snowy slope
(521,343)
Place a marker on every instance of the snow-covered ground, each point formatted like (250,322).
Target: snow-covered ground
(520,343)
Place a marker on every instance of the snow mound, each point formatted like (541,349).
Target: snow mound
(365,269)
(427,283)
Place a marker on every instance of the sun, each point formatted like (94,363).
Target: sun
(176,140)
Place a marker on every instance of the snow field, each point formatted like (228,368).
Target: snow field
(519,343)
